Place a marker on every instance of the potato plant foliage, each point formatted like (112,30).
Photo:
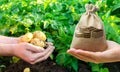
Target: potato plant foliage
(57,19)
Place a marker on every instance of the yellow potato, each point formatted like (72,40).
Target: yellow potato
(40,35)
(38,38)
(26,38)
(37,42)
(27,69)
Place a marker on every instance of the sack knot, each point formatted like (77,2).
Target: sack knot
(91,8)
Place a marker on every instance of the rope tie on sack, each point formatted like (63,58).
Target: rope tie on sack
(91,8)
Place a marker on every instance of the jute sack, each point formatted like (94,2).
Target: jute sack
(89,33)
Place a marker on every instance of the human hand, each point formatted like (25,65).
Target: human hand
(110,55)
(32,54)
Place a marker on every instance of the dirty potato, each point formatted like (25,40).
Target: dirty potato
(40,35)
(26,38)
(27,69)
(37,42)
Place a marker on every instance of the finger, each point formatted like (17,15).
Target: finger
(87,55)
(83,58)
(93,55)
(42,54)
(35,48)
(99,57)
(46,54)
(49,43)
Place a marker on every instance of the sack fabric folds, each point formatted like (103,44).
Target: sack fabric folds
(89,33)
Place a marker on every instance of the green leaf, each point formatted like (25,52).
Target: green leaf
(61,58)
(114,19)
(92,1)
(74,64)
(104,70)
(118,39)
(95,68)
(109,2)
(46,23)
(108,14)
(15,59)
(117,6)
(62,32)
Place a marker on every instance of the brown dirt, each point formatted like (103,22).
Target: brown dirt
(113,67)
(50,66)
(45,66)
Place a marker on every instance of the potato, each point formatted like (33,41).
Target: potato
(26,38)
(27,69)
(37,42)
(40,35)
(38,38)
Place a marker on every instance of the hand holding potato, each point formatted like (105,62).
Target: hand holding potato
(28,47)
(31,53)
(33,45)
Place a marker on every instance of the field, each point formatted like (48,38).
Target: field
(57,19)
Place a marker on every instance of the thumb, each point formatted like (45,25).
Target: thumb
(70,50)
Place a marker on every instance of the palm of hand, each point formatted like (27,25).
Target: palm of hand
(109,55)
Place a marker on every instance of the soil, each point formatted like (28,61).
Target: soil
(113,67)
(45,66)
(50,66)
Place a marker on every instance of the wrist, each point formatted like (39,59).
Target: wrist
(8,40)
(7,49)
(14,49)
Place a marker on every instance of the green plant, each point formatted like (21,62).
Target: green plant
(98,68)
(57,19)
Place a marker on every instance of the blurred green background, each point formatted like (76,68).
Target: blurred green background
(57,19)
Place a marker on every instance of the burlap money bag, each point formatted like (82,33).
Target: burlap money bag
(89,33)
